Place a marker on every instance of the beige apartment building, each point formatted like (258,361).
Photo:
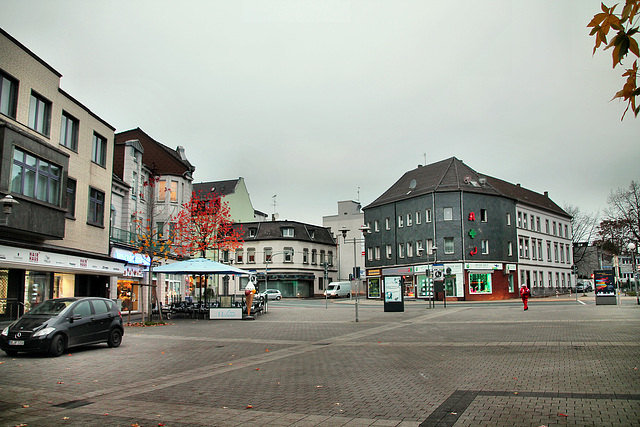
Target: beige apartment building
(56,175)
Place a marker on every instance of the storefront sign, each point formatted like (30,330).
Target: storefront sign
(225,313)
(511,267)
(482,266)
(396,271)
(373,272)
(130,257)
(29,259)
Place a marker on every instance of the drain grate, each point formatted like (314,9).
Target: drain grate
(73,404)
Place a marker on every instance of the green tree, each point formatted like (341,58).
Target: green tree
(625,23)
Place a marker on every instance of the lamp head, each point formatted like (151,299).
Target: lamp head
(344,232)
(7,203)
(631,246)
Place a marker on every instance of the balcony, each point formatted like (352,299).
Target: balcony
(118,235)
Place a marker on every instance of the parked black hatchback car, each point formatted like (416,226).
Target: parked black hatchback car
(58,324)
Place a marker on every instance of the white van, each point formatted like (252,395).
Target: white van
(338,289)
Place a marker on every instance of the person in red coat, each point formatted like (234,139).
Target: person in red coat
(525,293)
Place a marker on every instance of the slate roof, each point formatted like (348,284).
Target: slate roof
(221,188)
(454,175)
(272,230)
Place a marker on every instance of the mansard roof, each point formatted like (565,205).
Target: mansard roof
(454,175)
(272,230)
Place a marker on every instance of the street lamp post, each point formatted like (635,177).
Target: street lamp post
(632,248)
(344,231)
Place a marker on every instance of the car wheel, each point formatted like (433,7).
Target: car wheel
(115,338)
(278,298)
(11,352)
(57,346)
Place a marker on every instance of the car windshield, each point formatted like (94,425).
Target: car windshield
(51,306)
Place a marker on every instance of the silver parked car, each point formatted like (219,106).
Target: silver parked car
(272,294)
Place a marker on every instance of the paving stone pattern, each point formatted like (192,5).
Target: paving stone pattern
(302,364)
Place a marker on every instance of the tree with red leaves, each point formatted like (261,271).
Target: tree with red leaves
(204,223)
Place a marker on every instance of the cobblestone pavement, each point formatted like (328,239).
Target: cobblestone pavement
(560,363)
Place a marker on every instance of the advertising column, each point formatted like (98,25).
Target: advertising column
(393,294)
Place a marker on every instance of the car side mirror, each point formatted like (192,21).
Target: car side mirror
(74,317)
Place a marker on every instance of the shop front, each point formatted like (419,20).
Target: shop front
(30,276)
(130,283)
(489,281)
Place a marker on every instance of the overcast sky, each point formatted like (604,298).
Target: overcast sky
(318,101)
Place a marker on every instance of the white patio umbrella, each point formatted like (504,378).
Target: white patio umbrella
(199,266)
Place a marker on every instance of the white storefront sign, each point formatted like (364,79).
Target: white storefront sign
(29,259)
(225,313)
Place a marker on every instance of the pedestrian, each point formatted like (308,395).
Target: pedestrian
(525,293)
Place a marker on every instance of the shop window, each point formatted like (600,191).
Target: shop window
(479,283)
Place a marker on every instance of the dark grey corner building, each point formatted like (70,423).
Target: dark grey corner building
(473,236)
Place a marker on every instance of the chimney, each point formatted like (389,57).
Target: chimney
(546,194)
(180,151)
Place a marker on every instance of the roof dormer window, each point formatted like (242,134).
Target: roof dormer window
(287,232)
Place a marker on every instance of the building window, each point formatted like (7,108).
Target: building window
(555,230)
(509,249)
(409,249)
(531,222)
(485,247)
(314,256)
(430,246)
(448,245)
(369,254)
(134,185)
(251,255)
(400,250)
(174,191)
(377,252)
(99,150)
(330,258)
(8,95)
(400,221)
(419,248)
(267,254)
(39,114)
(526,247)
(409,220)
(389,252)
(568,257)
(35,177)
(71,198)
(562,252)
(96,207)
(538,223)
(160,229)
(519,219)
(239,256)
(287,232)
(418,217)
(566,231)
(427,215)
(483,215)
(448,214)
(524,221)
(387,224)
(162,191)
(252,232)
(288,254)
(533,249)
(540,256)
(69,131)
(376,225)
(549,251)
(508,218)
(305,256)
(521,247)
(479,283)
(555,252)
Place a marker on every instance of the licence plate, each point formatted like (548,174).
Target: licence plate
(13,342)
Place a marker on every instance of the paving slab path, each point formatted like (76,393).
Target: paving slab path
(562,362)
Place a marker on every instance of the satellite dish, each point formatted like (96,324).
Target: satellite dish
(276,215)
(412,184)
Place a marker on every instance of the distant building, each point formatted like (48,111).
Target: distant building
(350,218)
(56,164)
(234,192)
(287,255)
(478,236)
